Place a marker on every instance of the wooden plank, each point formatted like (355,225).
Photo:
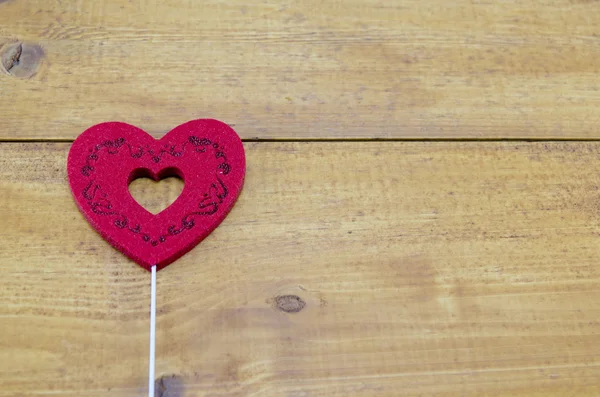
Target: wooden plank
(311,69)
(426,269)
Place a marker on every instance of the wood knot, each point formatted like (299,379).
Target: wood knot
(289,303)
(169,386)
(21,60)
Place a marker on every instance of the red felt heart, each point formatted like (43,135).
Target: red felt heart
(207,154)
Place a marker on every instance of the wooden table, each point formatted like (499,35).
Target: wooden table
(420,216)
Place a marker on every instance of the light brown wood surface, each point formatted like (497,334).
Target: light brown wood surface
(446,269)
(425,268)
(303,69)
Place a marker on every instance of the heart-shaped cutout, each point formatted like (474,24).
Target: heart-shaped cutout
(155,194)
(207,154)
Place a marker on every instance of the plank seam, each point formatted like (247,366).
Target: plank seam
(351,140)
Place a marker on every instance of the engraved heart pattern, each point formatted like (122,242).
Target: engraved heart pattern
(207,154)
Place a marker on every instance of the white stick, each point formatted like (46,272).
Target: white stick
(152,334)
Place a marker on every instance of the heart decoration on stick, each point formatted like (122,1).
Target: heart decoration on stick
(207,154)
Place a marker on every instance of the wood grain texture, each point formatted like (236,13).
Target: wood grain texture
(310,69)
(425,269)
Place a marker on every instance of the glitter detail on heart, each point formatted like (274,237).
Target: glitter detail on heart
(209,204)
